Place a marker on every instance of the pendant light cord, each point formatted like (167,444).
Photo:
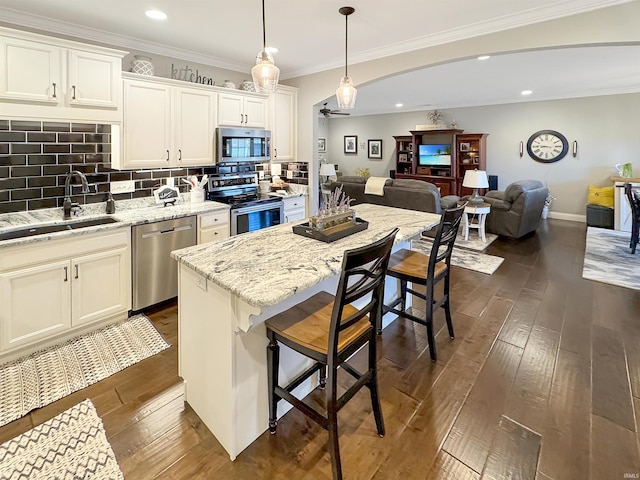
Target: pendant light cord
(346,36)
(264,30)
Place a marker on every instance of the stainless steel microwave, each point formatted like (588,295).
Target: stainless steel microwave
(242,145)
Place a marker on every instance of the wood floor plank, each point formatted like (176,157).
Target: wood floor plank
(527,402)
(514,453)
(631,342)
(421,375)
(446,467)
(477,344)
(552,306)
(611,394)
(471,436)
(578,318)
(614,450)
(430,424)
(566,436)
(518,325)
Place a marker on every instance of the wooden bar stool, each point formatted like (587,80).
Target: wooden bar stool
(428,270)
(329,330)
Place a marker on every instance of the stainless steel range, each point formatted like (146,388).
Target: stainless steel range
(237,185)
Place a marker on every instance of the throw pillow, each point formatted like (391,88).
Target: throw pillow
(600,196)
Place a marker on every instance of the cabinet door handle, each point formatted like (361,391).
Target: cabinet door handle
(54,91)
(275,153)
(66,274)
(167,155)
(73,89)
(246,119)
(179,155)
(76,265)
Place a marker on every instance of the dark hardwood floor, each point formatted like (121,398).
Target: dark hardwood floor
(542,381)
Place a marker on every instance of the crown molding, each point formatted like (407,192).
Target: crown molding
(536,15)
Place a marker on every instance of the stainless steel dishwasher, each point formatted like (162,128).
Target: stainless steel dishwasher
(155,273)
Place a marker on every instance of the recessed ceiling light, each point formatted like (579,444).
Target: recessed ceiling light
(526,92)
(484,57)
(156,14)
(399,105)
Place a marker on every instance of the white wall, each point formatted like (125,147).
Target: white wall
(606,129)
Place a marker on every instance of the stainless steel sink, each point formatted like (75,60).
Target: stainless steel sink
(58,227)
(92,222)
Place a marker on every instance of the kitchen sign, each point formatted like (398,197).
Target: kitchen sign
(189,75)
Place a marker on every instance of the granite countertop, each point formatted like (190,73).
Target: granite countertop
(268,266)
(128,213)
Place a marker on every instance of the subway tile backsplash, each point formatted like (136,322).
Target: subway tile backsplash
(36,156)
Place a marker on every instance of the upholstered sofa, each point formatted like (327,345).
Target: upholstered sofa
(400,193)
(517,210)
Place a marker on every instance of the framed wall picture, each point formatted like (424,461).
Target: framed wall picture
(465,147)
(375,148)
(322,145)
(350,144)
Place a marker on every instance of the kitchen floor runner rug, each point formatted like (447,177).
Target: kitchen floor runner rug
(608,258)
(463,258)
(47,375)
(72,445)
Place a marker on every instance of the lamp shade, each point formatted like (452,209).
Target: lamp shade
(265,74)
(346,94)
(328,170)
(475,179)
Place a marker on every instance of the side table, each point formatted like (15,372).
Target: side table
(475,217)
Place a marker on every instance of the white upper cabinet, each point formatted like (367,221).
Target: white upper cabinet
(241,110)
(283,109)
(94,79)
(47,77)
(31,71)
(166,125)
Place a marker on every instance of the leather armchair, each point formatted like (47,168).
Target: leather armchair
(517,210)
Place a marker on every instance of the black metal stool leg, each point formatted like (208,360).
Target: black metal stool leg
(273,363)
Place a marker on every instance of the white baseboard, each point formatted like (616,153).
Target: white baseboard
(572,217)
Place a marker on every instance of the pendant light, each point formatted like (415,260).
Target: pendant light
(346,92)
(265,73)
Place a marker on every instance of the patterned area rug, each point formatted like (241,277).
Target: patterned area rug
(608,259)
(48,375)
(464,258)
(72,445)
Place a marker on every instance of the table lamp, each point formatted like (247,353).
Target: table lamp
(475,179)
(327,170)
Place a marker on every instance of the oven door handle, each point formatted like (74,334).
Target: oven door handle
(258,208)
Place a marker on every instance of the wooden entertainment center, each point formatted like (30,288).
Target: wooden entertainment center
(440,157)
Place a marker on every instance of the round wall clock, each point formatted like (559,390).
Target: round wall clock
(547,146)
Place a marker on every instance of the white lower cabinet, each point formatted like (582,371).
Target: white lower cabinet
(51,288)
(295,209)
(213,226)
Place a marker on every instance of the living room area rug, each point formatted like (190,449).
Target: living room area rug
(463,257)
(72,445)
(608,258)
(47,375)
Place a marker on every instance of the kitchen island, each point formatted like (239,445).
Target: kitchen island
(228,289)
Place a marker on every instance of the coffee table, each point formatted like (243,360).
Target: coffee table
(475,217)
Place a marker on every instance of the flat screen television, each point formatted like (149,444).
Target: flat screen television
(434,155)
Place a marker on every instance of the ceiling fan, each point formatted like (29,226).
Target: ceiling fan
(328,112)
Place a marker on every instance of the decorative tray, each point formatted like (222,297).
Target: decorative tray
(331,234)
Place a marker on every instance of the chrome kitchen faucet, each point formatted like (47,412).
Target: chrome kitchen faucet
(68,206)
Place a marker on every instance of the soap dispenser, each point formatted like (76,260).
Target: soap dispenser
(111,204)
